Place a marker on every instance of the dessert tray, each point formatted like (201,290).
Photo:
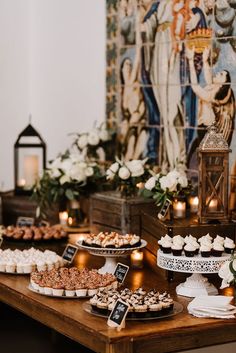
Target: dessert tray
(111,254)
(64,296)
(177,308)
(31,234)
(196,284)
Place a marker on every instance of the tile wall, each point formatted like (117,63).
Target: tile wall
(171,71)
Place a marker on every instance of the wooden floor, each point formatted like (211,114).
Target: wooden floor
(21,334)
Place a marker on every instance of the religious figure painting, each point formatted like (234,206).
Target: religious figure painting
(176,75)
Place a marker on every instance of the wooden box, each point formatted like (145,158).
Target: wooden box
(14,206)
(152,229)
(110,212)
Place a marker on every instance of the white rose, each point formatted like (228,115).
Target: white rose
(169,182)
(150,183)
(174,174)
(104,135)
(89,171)
(93,138)
(225,274)
(82,141)
(109,175)
(135,167)
(183,181)
(56,163)
(124,173)
(66,165)
(76,157)
(55,173)
(77,172)
(64,179)
(114,167)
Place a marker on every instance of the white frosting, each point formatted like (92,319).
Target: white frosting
(166,244)
(205,247)
(217,246)
(176,246)
(178,239)
(189,247)
(219,239)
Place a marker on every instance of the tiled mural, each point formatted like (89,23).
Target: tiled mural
(171,71)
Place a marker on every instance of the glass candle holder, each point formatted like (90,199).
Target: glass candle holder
(63,216)
(179,209)
(193,203)
(137,259)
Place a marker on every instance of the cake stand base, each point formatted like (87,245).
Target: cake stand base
(109,266)
(196,285)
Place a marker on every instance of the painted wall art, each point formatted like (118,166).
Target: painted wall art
(171,72)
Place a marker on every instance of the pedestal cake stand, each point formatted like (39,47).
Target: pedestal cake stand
(111,255)
(196,284)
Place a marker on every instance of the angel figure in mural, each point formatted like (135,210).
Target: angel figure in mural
(133,133)
(165,79)
(216,99)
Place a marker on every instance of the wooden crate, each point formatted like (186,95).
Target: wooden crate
(152,229)
(110,212)
(14,206)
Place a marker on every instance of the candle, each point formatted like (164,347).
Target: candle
(63,216)
(193,202)
(21,183)
(31,170)
(179,209)
(137,259)
(213,205)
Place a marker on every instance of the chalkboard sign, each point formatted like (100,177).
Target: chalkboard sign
(164,209)
(69,253)
(25,222)
(121,272)
(118,314)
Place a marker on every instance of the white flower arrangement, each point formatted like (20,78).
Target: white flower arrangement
(227,272)
(66,178)
(94,142)
(167,186)
(127,174)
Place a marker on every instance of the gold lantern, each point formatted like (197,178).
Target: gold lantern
(213,155)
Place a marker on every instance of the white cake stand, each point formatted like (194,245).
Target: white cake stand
(196,284)
(111,255)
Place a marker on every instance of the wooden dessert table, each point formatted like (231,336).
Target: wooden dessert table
(66,316)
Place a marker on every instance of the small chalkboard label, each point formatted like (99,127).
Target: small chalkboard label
(118,314)
(164,209)
(121,272)
(25,222)
(69,253)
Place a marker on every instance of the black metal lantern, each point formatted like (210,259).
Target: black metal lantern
(213,154)
(29,160)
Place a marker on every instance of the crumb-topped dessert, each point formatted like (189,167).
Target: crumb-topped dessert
(112,240)
(142,303)
(35,233)
(71,282)
(26,261)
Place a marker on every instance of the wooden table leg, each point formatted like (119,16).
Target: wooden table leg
(120,347)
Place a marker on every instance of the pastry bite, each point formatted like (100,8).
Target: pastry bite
(141,303)
(112,240)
